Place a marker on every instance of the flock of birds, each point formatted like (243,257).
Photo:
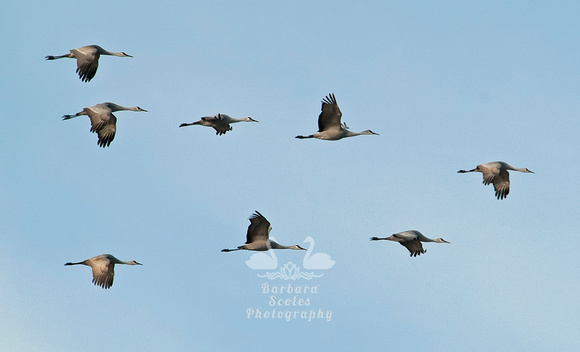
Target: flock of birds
(330,127)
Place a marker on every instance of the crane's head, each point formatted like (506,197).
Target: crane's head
(125,54)
(132,262)
(249,119)
(528,170)
(440,240)
(369,132)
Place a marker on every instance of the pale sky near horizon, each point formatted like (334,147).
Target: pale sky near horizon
(447,85)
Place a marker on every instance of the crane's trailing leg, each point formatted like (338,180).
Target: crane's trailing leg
(68,117)
(51,57)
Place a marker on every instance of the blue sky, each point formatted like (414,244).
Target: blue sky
(448,85)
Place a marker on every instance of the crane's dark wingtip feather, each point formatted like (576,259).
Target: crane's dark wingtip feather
(501,194)
(329,99)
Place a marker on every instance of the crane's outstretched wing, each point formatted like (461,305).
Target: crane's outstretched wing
(258,229)
(103,122)
(218,123)
(500,179)
(107,132)
(501,184)
(330,116)
(103,273)
(87,62)
(414,246)
(99,115)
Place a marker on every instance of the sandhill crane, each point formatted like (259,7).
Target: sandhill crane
(317,260)
(87,59)
(412,240)
(329,126)
(496,172)
(257,238)
(219,122)
(103,122)
(103,268)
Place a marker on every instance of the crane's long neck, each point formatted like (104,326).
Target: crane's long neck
(348,133)
(106,52)
(520,169)
(437,240)
(276,245)
(116,107)
(423,238)
(130,262)
(270,251)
